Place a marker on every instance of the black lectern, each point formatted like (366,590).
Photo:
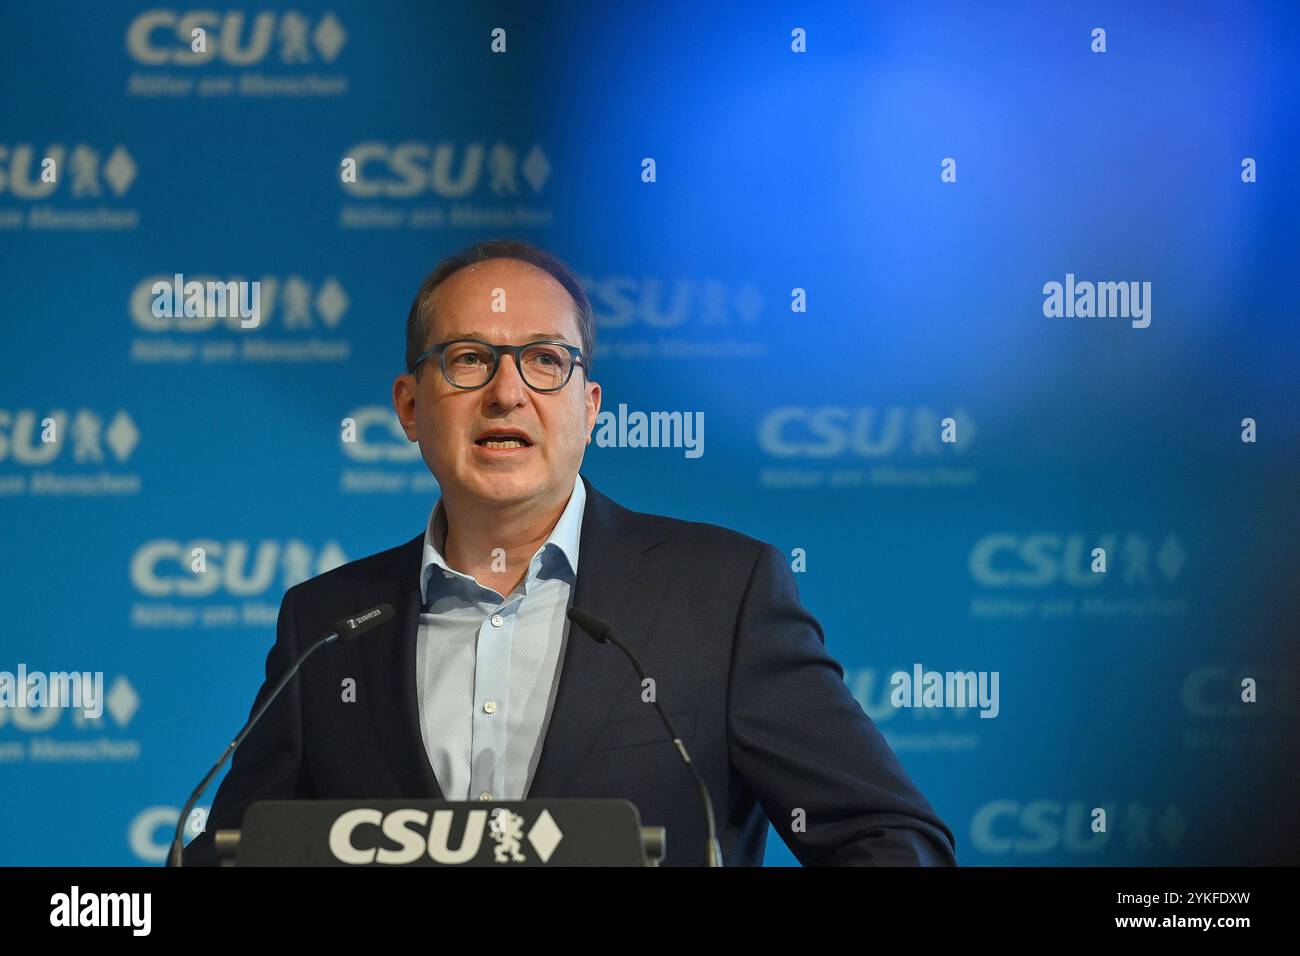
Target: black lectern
(441,833)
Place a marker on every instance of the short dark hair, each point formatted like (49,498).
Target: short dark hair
(420,319)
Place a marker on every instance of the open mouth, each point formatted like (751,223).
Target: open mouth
(503,441)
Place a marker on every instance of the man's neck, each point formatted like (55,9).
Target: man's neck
(478,533)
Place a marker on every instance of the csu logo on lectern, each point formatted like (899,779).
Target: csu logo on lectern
(354,836)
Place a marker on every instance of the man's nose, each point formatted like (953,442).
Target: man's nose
(507,386)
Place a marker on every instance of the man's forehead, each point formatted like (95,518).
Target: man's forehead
(537,306)
(515,272)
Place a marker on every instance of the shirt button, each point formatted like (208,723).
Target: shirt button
(446,574)
(490,707)
(485,795)
(497,620)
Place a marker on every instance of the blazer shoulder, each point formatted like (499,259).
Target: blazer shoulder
(698,536)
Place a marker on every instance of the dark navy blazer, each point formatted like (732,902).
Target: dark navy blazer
(739,665)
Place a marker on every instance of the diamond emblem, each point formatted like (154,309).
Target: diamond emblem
(122,435)
(329,37)
(120,170)
(545,836)
(1171,558)
(331,302)
(536,169)
(123,701)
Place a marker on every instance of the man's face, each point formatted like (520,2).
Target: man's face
(446,420)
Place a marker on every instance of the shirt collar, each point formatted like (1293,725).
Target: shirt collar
(564,537)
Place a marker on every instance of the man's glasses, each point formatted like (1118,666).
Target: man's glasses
(471,363)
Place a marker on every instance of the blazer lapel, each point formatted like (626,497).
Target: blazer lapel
(623,584)
(389,660)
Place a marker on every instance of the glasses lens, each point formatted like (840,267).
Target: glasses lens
(546,366)
(466,364)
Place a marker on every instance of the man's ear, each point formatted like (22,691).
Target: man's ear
(593,407)
(404,389)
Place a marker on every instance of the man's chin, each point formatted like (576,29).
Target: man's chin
(504,486)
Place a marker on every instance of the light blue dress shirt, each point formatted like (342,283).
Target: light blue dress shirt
(487,667)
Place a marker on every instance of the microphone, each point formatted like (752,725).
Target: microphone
(601,632)
(345,629)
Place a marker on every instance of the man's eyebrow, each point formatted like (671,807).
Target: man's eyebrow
(533,337)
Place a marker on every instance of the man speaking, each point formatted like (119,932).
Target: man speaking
(478,688)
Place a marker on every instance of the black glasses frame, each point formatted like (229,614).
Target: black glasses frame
(575,354)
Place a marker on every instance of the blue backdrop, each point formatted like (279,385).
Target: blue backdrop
(921,171)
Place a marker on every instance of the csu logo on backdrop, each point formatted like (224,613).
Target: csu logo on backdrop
(652,303)
(1007,560)
(92,436)
(832,431)
(79,170)
(447,170)
(379,456)
(1030,828)
(299,303)
(1239,709)
(378,437)
(120,704)
(841,447)
(202,567)
(234,37)
(48,738)
(1215,692)
(80,453)
(443,186)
